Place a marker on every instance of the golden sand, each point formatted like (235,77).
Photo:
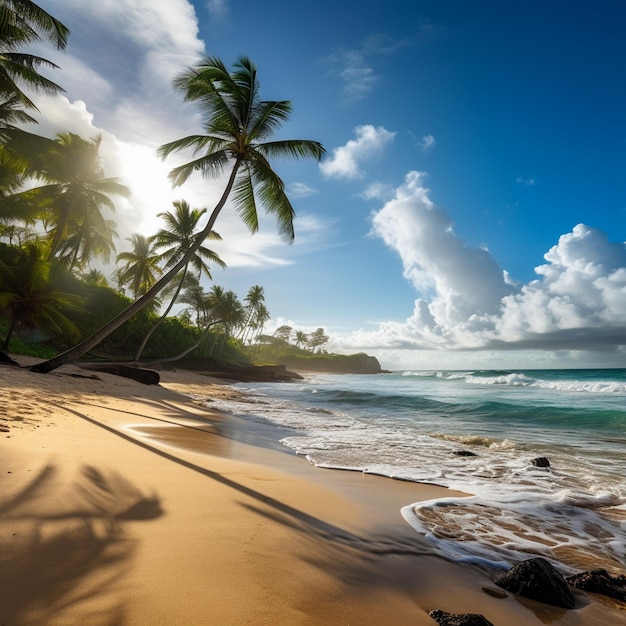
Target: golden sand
(122,503)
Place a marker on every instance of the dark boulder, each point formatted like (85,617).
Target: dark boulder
(459,619)
(537,579)
(600,581)
(541,461)
(464,453)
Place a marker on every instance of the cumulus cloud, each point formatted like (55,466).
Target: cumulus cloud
(345,160)
(466,301)
(117,72)
(529,182)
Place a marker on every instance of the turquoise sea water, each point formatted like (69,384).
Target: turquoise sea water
(413,425)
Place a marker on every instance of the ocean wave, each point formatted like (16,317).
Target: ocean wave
(499,533)
(514,379)
(476,440)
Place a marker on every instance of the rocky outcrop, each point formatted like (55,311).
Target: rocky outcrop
(600,581)
(459,619)
(334,363)
(537,579)
(239,372)
(541,461)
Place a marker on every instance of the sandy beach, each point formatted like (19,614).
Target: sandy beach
(122,503)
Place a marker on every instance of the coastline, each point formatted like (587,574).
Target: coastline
(130,504)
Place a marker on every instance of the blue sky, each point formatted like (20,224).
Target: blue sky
(471,211)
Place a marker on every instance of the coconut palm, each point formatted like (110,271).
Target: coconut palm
(176,238)
(23,22)
(141,265)
(237,126)
(227,310)
(301,338)
(29,297)
(75,188)
(92,237)
(195,297)
(254,299)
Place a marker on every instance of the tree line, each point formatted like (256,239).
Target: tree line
(53,192)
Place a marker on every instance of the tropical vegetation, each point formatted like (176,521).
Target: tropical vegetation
(57,207)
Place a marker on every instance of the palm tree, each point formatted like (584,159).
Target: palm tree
(141,265)
(225,309)
(177,238)
(237,125)
(254,299)
(93,237)
(23,22)
(195,296)
(28,295)
(75,190)
(301,338)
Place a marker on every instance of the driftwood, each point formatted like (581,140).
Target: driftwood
(145,376)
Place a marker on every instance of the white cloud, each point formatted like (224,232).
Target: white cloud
(427,143)
(117,72)
(529,182)
(300,190)
(217,8)
(345,160)
(358,77)
(466,302)
(377,191)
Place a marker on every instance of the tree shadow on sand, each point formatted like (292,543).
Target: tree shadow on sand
(63,548)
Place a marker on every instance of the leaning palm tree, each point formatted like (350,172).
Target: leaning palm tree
(176,238)
(237,129)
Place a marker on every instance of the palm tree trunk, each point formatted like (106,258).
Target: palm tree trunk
(169,359)
(77,351)
(160,320)
(7,340)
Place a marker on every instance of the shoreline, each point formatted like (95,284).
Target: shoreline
(128,504)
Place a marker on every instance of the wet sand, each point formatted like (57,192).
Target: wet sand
(122,503)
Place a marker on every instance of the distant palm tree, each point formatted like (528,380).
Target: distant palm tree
(195,297)
(254,299)
(29,297)
(301,338)
(95,278)
(141,265)
(176,238)
(227,310)
(237,126)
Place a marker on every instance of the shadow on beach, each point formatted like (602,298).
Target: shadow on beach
(64,548)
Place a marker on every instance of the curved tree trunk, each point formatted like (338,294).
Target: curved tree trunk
(77,351)
(169,359)
(7,341)
(160,320)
